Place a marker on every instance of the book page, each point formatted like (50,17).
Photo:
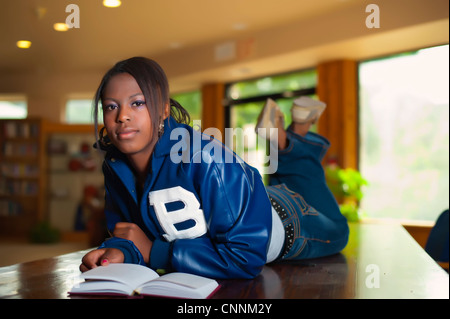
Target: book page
(187,280)
(130,274)
(102,287)
(179,285)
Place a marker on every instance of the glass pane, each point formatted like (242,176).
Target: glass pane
(13,109)
(244,116)
(273,84)
(192,102)
(404,134)
(80,112)
(241,136)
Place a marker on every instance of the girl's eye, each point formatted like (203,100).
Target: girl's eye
(139,103)
(109,107)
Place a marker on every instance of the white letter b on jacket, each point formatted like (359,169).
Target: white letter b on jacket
(168,220)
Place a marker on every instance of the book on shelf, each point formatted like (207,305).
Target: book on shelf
(136,280)
(22,149)
(10,208)
(18,187)
(21,129)
(17,170)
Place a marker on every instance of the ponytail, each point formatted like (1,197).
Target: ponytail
(179,113)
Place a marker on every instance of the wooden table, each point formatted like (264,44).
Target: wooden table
(380,261)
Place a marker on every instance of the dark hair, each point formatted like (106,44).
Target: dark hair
(154,85)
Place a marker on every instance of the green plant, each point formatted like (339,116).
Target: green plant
(347,186)
(44,233)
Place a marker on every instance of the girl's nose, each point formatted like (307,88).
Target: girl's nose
(123,115)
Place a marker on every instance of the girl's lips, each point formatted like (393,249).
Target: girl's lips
(126,134)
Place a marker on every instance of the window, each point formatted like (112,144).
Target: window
(404,133)
(13,107)
(192,102)
(272,85)
(79,111)
(247,99)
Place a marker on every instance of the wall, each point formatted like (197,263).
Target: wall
(47,93)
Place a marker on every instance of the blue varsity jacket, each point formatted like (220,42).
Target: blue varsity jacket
(206,211)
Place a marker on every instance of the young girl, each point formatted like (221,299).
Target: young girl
(204,215)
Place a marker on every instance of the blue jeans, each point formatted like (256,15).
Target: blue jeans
(313,222)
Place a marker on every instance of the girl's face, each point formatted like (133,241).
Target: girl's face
(126,116)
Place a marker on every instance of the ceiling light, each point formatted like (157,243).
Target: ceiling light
(175,45)
(60,27)
(239,26)
(112,3)
(23,44)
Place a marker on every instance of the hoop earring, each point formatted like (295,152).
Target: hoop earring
(161,129)
(103,138)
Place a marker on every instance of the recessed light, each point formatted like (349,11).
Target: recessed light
(175,45)
(239,26)
(23,44)
(112,3)
(60,27)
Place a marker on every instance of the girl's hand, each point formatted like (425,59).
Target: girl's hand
(134,233)
(101,257)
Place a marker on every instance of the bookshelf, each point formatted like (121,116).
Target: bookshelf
(22,175)
(72,166)
(43,173)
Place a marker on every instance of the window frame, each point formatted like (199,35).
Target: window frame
(230,102)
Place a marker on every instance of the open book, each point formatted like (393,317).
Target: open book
(131,279)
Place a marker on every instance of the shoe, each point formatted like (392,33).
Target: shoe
(307,110)
(270,117)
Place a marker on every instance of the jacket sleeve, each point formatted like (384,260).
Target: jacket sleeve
(131,253)
(114,215)
(238,215)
